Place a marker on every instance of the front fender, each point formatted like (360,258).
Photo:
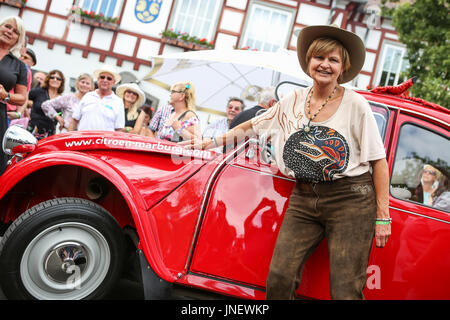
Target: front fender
(137,206)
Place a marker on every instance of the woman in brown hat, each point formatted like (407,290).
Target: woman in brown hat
(327,138)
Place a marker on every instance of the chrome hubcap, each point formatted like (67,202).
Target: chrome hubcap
(65,261)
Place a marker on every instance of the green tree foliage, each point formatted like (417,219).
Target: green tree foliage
(424,27)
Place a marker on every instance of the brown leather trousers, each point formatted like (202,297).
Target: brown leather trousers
(342,211)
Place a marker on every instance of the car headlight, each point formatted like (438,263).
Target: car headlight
(18,141)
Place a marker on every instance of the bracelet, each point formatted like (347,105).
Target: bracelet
(127,129)
(215,141)
(383,222)
(18,115)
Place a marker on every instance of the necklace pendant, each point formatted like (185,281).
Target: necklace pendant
(306,127)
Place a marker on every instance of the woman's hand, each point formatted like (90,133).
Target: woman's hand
(13,115)
(3,93)
(60,121)
(195,143)
(382,234)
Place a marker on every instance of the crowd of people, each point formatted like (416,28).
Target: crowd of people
(36,100)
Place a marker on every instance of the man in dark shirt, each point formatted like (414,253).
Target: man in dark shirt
(266,99)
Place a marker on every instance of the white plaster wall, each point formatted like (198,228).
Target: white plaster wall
(78,33)
(55,27)
(373,39)
(101,39)
(131,23)
(61,7)
(172,49)
(37,4)
(311,15)
(125,44)
(238,4)
(6,11)
(391,36)
(338,19)
(231,21)
(32,20)
(362,81)
(361,32)
(225,41)
(147,49)
(369,62)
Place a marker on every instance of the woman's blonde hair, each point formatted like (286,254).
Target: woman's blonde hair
(189,91)
(132,113)
(85,76)
(322,46)
(15,50)
(438,174)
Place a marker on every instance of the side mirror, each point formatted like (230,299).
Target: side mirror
(18,141)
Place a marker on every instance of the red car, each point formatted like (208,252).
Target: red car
(75,207)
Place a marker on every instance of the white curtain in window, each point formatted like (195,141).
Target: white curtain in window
(393,64)
(267,28)
(106,7)
(196,17)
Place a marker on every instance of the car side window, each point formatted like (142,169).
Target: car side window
(381,114)
(421,167)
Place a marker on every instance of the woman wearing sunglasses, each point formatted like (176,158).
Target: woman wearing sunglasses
(177,121)
(133,98)
(428,184)
(41,125)
(61,108)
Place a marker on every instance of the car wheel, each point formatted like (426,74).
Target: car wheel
(64,248)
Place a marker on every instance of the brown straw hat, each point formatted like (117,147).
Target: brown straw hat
(350,41)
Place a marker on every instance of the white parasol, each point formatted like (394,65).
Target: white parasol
(221,74)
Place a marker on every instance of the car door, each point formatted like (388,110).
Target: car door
(415,261)
(242,219)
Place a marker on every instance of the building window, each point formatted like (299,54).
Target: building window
(196,17)
(267,28)
(109,8)
(393,63)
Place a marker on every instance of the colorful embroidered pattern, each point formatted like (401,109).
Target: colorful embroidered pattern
(317,155)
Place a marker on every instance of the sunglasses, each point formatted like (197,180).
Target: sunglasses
(175,91)
(107,78)
(55,78)
(430,172)
(132,92)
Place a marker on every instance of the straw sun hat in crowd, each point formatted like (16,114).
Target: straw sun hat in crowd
(120,91)
(108,69)
(351,42)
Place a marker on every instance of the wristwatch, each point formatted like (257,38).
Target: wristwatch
(7,98)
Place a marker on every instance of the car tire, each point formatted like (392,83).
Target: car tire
(61,249)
